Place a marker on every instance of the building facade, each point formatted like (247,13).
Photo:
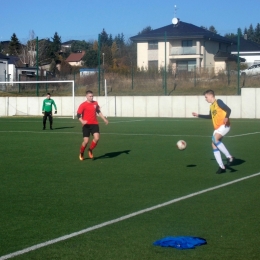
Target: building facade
(183,47)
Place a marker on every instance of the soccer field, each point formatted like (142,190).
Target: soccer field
(139,188)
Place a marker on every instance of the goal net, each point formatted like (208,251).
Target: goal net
(25,98)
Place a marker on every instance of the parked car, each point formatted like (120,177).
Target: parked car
(252,70)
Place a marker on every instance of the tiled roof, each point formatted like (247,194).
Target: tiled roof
(245,46)
(3,57)
(180,31)
(75,57)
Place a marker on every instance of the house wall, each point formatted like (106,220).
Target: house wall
(12,72)
(142,55)
(251,58)
(243,106)
(161,54)
(211,48)
(3,69)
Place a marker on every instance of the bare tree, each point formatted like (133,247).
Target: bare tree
(29,49)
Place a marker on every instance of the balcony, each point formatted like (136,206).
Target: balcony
(183,50)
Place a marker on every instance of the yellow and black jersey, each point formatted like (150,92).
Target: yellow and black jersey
(218,111)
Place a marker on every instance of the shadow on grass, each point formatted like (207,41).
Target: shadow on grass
(191,165)
(235,162)
(112,154)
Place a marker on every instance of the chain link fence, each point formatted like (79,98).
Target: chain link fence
(138,83)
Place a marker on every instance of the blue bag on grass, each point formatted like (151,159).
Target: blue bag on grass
(182,242)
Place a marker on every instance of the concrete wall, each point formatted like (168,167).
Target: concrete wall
(245,106)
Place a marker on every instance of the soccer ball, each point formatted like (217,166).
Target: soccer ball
(181,144)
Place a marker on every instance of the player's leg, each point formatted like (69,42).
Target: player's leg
(220,133)
(50,120)
(96,136)
(44,120)
(217,153)
(86,134)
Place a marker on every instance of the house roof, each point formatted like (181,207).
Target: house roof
(3,57)
(74,57)
(181,30)
(245,46)
(220,55)
(68,42)
(13,60)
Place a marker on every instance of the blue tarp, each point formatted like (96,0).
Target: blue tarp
(182,242)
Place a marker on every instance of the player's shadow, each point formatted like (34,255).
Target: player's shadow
(63,127)
(112,154)
(191,165)
(235,162)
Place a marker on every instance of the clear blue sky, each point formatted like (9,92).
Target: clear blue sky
(85,19)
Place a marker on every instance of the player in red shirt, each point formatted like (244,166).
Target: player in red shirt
(87,115)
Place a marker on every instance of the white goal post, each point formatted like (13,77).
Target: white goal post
(11,83)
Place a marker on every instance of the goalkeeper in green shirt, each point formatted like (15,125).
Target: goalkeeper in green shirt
(47,110)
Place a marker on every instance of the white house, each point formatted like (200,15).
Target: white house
(4,67)
(248,50)
(183,47)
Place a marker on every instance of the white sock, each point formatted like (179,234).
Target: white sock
(223,149)
(217,155)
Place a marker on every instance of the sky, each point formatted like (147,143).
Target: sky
(85,19)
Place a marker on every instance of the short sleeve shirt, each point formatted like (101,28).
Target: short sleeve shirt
(89,111)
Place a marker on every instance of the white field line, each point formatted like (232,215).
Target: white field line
(110,222)
(126,134)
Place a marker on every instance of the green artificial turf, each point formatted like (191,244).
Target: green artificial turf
(47,192)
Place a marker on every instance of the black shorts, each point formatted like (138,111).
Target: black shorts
(90,129)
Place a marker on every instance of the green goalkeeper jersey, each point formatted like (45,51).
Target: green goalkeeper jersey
(47,105)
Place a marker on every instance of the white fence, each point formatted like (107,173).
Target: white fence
(245,106)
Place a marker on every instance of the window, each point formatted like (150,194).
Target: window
(187,43)
(153,45)
(186,65)
(153,64)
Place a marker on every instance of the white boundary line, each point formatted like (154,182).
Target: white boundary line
(183,135)
(56,240)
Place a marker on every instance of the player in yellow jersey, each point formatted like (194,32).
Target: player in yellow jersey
(219,113)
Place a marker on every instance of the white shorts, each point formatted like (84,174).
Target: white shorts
(222,130)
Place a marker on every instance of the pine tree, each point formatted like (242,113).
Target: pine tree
(257,33)
(14,47)
(212,29)
(55,46)
(250,33)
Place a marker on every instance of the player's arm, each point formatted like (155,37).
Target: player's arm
(223,106)
(209,116)
(43,105)
(79,116)
(53,102)
(102,116)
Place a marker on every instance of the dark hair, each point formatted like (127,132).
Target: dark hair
(89,92)
(209,91)
(48,94)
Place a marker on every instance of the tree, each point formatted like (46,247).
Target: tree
(257,33)
(212,29)
(65,68)
(55,46)
(250,33)
(80,46)
(28,51)
(147,29)
(14,47)
(91,58)
(104,38)
(230,35)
